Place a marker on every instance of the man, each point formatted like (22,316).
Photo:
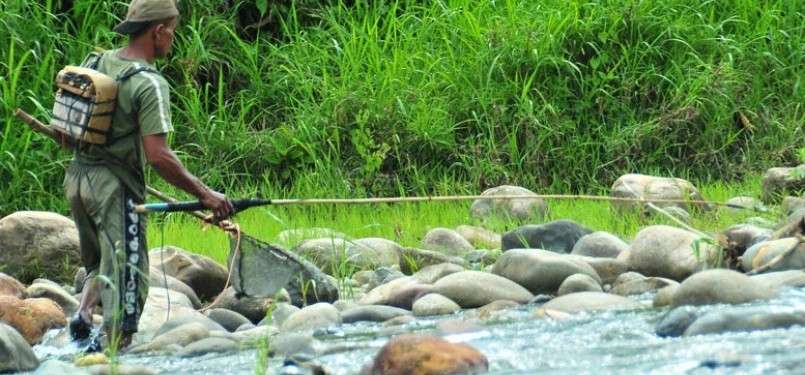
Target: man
(104,182)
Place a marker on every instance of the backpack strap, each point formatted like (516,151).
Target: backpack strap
(123,77)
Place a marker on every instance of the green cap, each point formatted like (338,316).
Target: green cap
(143,12)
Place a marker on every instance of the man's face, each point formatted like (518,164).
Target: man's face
(163,38)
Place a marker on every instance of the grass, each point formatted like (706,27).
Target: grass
(351,99)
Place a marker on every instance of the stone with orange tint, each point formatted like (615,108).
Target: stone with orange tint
(419,354)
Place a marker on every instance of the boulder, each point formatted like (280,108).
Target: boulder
(540,271)
(16,354)
(479,237)
(519,209)
(446,241)
(434,304)
(719,286)
(203,274)
(775,255)
(32,317)
(318,315)
(589,301)
(670,252)
(559,236)
(38,244)
(474,289)
(599,245)
(653,189)
(579,282)
(340,257)
(777,182)
(745,319)
(425,355)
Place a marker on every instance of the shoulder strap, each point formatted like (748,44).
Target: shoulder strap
(127,74)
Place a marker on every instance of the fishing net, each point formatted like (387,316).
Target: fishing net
(261,269)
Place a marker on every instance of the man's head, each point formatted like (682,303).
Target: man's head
(155,19)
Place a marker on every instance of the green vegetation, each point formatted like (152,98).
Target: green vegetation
(404,97)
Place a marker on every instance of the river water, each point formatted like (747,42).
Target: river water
(516,342)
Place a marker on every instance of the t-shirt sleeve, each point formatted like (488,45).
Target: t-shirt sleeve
(154,114)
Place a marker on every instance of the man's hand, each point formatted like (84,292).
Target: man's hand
(221,207)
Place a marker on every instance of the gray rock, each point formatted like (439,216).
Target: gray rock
(590,301)
(434,304)
(293,343)
(182,336)
(664,296)
(765,252)
(479,237)
(38,244)
(474,289)
(777,182)
(558,236)
(446,241)
(744,319)
(540,271)
(15,353)
(608,269)
(579,283)
(519,209)
(653,189)
(781,279)
(318,315)
(641,285)
(792,204)
(744,204)
(201,273)
(719,286)
(416,259)
(670,252)
(209,345)
(159,279)
(280,313)
(676,321)
(599,245)
(228,319)
(372,314)
(430,274)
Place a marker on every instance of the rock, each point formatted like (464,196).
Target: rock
(489,310)
(599,245)
(252,308)
(387,251)
(781,279)
(670,252)
(744,204)
(415,259)
(559,236)
(407,295)
(745,319)
(157,314)
(792,204)
(777,182)
(434,304)
(737,238)
(519,209)
(339,257)
(653,189)
(579,282)
(38,244)
(15,351)
(372,314)
(676,321)
(425,355)
(430,274)
(32,317)
(483,258)
(318,315)
(719,286)
(479,237)
(227,318)
(10,286)
(159,279)
(294,343)
(67,302)
(608,269)
(446,241)
(640,285)
(665,295)
(280,313)
(474,289)
(182,336)
(204,275)
(209,345)
(384,294)
(762,254)
(590,301)
(540,271)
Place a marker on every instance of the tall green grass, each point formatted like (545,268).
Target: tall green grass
(407,97)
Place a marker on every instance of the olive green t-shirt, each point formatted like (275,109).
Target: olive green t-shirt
(142,108)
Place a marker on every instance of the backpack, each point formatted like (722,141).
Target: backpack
(85,102)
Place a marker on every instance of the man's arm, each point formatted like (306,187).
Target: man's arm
(159,155)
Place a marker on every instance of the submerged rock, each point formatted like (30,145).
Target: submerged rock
(746,318)
(425,355)
(719,286)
